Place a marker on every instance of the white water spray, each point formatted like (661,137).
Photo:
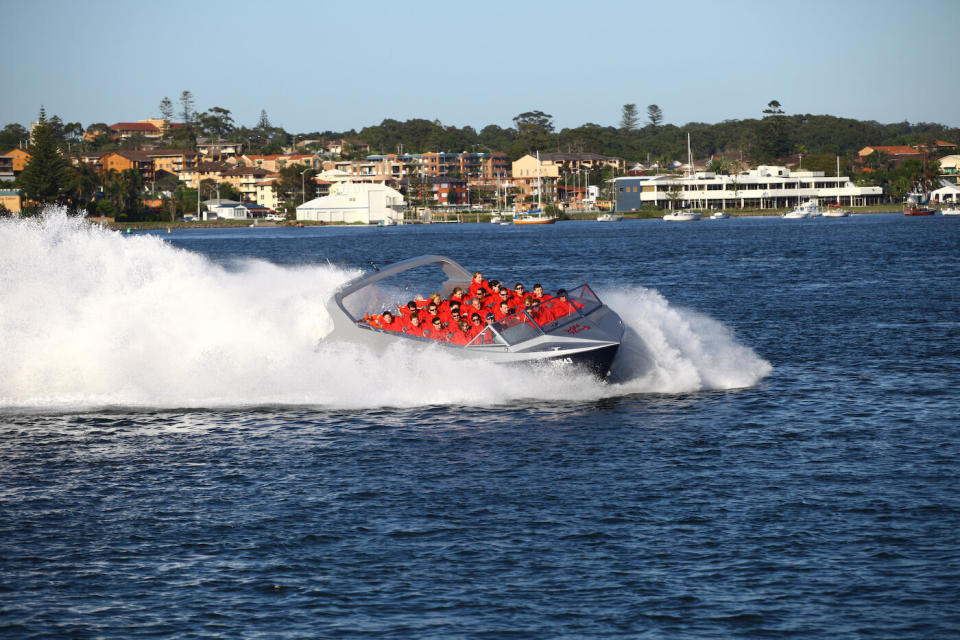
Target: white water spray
(89,318)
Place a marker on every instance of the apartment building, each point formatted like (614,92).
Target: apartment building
(275,162)
(219,151)
(15,160)
(123,160)
(553,165)
(245,180)
(194,175)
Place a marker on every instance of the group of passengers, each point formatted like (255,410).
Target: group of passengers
(465,314)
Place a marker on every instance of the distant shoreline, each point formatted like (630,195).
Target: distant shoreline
(246,224)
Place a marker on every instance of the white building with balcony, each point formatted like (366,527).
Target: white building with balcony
(766,187)
(350,203)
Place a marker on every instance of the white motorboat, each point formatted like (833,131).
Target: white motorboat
(683,216)
(496,219)
(720,215)
(808,209)
(582,331)
(950,211)
(609,217)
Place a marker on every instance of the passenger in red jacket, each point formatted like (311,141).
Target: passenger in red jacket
(461,335)
(389,322)
(504,295)
(476,326)
(434,298)
(478,282)
(561,306)
(447,315)
(408,310)
(475,306)
(503,310)
(538,293)
(435,329)
(454,318)
(432,314)
(518,295)
(413,327)
(457,296)
(533,310)
(492,299)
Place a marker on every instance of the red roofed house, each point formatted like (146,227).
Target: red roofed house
(894,151)
(149,128)
(128,129)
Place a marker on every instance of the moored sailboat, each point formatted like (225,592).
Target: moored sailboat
(535,216)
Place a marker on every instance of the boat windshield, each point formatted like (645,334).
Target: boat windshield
(396,290)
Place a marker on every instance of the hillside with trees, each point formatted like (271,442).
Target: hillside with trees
(775,136)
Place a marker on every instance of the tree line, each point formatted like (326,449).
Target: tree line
(769,138)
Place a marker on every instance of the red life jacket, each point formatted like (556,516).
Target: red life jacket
(475,286)
(415,331)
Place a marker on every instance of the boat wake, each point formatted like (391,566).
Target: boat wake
(92,319)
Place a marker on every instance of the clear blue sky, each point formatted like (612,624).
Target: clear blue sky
(317,65)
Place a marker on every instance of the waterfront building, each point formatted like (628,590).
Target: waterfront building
(448,191)
(266,195)
(435,164)
(948,192)
(11,200)
(223,209)
(553,165)
(350,203)
(766,187)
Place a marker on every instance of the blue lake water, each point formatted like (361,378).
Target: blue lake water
(184,451)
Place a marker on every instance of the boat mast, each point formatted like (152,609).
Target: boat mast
(539,188)
(838,181)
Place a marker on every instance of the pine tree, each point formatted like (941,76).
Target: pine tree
(186,103)
(628,117)
(654,115)
(166,112)
(264,124)
(45,178)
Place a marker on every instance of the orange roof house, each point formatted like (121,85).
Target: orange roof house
(20,159)
(127,129)
(891,150)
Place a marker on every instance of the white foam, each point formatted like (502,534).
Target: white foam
(90,318)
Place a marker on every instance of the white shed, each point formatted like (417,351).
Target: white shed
(351,203)
(947,193)
(224,209)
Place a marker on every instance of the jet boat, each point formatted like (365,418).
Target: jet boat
(583,331)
